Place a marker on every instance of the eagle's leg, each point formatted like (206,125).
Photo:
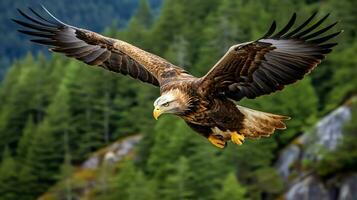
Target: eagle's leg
(237,138)
(217,140)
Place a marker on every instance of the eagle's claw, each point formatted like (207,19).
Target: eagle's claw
(217,140)
(237,138)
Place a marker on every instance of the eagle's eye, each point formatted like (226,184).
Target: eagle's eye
(166,104)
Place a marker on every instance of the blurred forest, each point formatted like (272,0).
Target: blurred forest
(56,111)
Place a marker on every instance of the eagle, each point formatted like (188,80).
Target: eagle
(207,104)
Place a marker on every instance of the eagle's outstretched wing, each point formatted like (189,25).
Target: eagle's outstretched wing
(264,66)
(95,49)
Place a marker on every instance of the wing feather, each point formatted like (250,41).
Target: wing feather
(286,28)
(95,49)
(266,65)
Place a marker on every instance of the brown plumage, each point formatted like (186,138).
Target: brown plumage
(206,104)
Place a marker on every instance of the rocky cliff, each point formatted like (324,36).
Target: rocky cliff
(95,172)
(303,183)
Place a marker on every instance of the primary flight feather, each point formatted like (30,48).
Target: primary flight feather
(206,104)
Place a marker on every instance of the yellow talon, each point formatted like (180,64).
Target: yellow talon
(237,138)
(216,141)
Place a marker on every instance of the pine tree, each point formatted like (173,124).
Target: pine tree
(231,189)
(46,151)
(143,14)
(171,138)
(170,22)
(58,120)
(15,107)
(124,103)
(26,91)
(26,140)
(81,115)
(27,182)
(177,185)
(66,175)
(138,26)
(203,158)
(343,82)
(8,177)
(42,163)
(126,175)
(268,181)
(141,188)
(132,184)
(106,106)
(177,52)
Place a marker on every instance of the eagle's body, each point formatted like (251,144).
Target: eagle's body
(202,110)
(219,115)
(247,70)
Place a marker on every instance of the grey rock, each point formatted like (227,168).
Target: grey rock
(348,190)
(91,163)
(286,159)
(308,189)
(114,153)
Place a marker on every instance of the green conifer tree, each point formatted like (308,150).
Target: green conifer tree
(177,184)
(231,189)
(143,14)
(8,177)
(42,163)
(26,140)
(132,184)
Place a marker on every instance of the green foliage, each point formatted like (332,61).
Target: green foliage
(209,167)
(132,184)
(177,142)
(26,139)
(177,185)
(268,180)
(231,189)
(66,172)
(42,163)
(143,14)
(178,52)
(343,81)
(141,188)
(15,103)
(8,177)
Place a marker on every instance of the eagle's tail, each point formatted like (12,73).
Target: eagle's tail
(257,123)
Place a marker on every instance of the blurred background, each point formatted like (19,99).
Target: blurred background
(69,131)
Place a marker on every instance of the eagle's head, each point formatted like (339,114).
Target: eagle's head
(173,101)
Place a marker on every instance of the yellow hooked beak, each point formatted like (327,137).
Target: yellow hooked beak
(156,113)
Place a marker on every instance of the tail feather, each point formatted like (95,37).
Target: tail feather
(257,124)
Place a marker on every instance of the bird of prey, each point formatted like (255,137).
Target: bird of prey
(206,104)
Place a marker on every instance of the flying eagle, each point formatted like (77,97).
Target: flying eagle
(207,104)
